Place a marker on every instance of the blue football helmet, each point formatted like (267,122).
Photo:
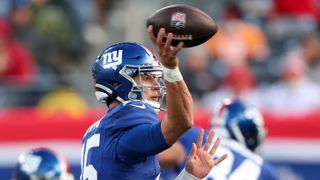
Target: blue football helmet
(115,67)
(233,119)
(41,164)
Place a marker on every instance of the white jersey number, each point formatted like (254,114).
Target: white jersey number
(88,171)
(247,170)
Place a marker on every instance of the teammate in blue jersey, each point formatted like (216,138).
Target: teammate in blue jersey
(130,80)
(41,163)
(243,132)
(173,160)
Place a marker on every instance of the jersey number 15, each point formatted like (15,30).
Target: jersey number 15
(88,171)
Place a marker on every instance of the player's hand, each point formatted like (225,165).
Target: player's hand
(167,53)
(200,160)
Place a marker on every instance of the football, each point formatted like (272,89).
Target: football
(187,23)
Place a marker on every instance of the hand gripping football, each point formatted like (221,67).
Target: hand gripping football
(187,23)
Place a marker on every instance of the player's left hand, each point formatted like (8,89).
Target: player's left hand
(200,160)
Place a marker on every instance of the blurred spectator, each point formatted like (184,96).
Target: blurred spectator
(311,55)
(102,25)
(53,27)
(237,41)
(65,101)
(5,7)
(256,11)
(197,72)
(295,92)
(17,67)
(298,8)
(291,19)
(239,83)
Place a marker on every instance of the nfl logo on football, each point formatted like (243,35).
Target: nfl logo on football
(178,20)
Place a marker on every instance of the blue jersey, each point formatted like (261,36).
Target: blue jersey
(186,140)
(124,144)
(241,163)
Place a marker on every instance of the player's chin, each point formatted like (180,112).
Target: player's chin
(155,98)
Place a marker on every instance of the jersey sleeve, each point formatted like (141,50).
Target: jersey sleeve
(139,142)
(187,139)
(268,172)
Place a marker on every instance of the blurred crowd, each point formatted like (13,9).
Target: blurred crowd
(266,52)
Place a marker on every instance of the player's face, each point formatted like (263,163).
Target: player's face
(150,83)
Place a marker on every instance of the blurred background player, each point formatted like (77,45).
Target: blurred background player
(243,130)
(41,164)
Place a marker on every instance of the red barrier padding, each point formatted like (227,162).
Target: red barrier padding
(30,124)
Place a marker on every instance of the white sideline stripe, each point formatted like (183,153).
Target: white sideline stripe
(10,151)
(275,149)
(292,150)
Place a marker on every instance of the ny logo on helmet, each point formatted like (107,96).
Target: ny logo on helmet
(112,59)
(31,163)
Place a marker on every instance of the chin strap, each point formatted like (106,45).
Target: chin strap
(105,93)
(154,105)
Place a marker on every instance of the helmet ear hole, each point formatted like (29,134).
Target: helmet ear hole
(133,95)
(115,84)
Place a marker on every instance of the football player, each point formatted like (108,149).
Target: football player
(243,132)
(132,83)
(41,164)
